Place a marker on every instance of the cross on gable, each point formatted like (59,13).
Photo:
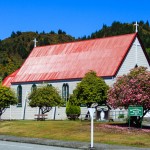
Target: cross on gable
(35,41)
(136,27)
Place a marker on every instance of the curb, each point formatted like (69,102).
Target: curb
(67,144)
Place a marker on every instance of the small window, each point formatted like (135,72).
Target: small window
(136,66)
(33,88)
(49,85)
(65,91)
(19,95)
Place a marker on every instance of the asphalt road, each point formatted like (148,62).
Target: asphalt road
(4,145)
(19,143)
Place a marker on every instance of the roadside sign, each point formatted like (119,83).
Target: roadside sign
(135,111)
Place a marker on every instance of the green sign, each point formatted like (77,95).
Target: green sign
(135,111)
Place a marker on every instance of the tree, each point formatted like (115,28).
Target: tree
(52,32)
(148,51)
(91,89)
(45,98)
(132,89)
(18,33)
(7,98)
(60,31)
(13,34)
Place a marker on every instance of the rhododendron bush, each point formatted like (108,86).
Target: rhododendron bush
(131,89)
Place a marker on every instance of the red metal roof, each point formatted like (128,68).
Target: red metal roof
(73,60)
(7,81)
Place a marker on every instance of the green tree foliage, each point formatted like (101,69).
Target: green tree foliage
(148,51)
(132,89)
(91,89)
(61,32)
(45,98)
(52,32)
(73,111)
(7,98)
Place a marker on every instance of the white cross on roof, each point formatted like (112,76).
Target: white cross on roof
(136,25)
(35,41)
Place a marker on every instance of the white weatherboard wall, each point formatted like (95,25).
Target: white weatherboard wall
(18,112)
(130,60)
(110,81)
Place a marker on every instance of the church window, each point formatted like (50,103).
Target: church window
(65,91)
(49,85)
(33,88)
(19,95)
(136,66)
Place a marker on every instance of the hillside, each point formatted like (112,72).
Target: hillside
(15,49)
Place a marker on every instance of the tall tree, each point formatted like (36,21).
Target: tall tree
(132,89)
(45,98)
(91,89)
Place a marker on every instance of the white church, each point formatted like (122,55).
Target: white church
(64,65)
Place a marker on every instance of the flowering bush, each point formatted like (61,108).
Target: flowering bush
(131,89)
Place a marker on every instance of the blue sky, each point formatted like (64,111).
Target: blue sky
(76,17)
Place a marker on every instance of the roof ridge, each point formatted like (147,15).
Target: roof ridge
(85,40)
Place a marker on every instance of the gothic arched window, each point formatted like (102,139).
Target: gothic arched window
(136,66)
(19,95)
(65,91)
(49,84)
(33,88)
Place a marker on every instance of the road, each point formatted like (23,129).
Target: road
(4,145)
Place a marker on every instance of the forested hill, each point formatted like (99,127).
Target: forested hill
(15,49)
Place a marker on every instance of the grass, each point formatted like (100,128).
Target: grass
(77,131)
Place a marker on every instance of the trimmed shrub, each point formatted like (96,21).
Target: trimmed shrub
(72,111)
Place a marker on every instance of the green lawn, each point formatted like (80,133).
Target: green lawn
(77,131)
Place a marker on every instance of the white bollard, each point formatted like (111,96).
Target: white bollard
(10,113)
(91,110)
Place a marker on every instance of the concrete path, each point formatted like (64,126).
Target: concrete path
(67,144)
